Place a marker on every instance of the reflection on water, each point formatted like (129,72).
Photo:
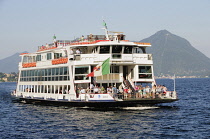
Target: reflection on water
(68,122)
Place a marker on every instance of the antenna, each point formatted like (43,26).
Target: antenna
(106,30)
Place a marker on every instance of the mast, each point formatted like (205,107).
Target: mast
(106,30)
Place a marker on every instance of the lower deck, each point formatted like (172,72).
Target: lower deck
(98,99)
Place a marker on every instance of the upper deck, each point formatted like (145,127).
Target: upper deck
(93,49)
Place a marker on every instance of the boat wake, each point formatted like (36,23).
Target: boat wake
(119,108)
(140,108)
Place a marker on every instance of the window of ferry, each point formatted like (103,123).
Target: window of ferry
(81,73)
(38,58)
(81,70)
(61,71)
(115,69)
(145,72)
(65,71)
(57,71)
(116,48)
(128,50)
(49,56)
(57,55)
(138,50)
(104,49)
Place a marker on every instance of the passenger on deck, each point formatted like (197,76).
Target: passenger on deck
(47,46)
(82,91)
(148,90)
(71,51)
(78,51)
(77,92)
(96,89)
(102,90)
(91,88)
(60,92)
(144,94)
(164,90)
(154,88)
(125,92)
(129,92)
(114,91)
(109,90)
(120,94)
(82,38)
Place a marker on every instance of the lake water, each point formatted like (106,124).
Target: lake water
(187,118)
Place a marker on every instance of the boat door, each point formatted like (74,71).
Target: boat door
(125,72)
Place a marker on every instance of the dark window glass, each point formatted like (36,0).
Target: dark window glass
(81,70)
(32,72)
(145,69)
(38,58)
(56,71)
(128,50)
(61,71)
(53,71)
(49,56)
(65,70)
(104,49)
(115,69)
(116,48)
(49,72)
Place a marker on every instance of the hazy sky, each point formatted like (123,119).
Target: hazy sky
(26,24)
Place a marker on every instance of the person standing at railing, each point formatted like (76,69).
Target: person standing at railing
(102,90)
(109,90)
(129,92)
(164,90)
(82,91)
(114,91)
(96,89)
(153,91)
(78,51)
(120,94)
(71,51)
(47,46)
(148,90)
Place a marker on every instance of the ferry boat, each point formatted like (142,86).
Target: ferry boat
(94,71)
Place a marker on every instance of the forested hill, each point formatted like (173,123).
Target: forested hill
(175,55)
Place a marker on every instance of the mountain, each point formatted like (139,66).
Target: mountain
(10,64)
(171,55)
(175,55)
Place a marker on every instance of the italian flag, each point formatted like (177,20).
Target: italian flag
(101,69)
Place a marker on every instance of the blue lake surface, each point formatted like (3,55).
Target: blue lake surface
(187,118)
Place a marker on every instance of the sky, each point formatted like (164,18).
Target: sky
(27,24)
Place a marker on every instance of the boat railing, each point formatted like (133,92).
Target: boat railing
(135,94)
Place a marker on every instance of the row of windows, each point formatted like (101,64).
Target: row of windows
(39,57)
(45,72)
(53,78)
(54,89)
(51,74)
(119,49)
(62,74)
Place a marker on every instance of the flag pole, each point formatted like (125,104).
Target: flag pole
(174,83)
